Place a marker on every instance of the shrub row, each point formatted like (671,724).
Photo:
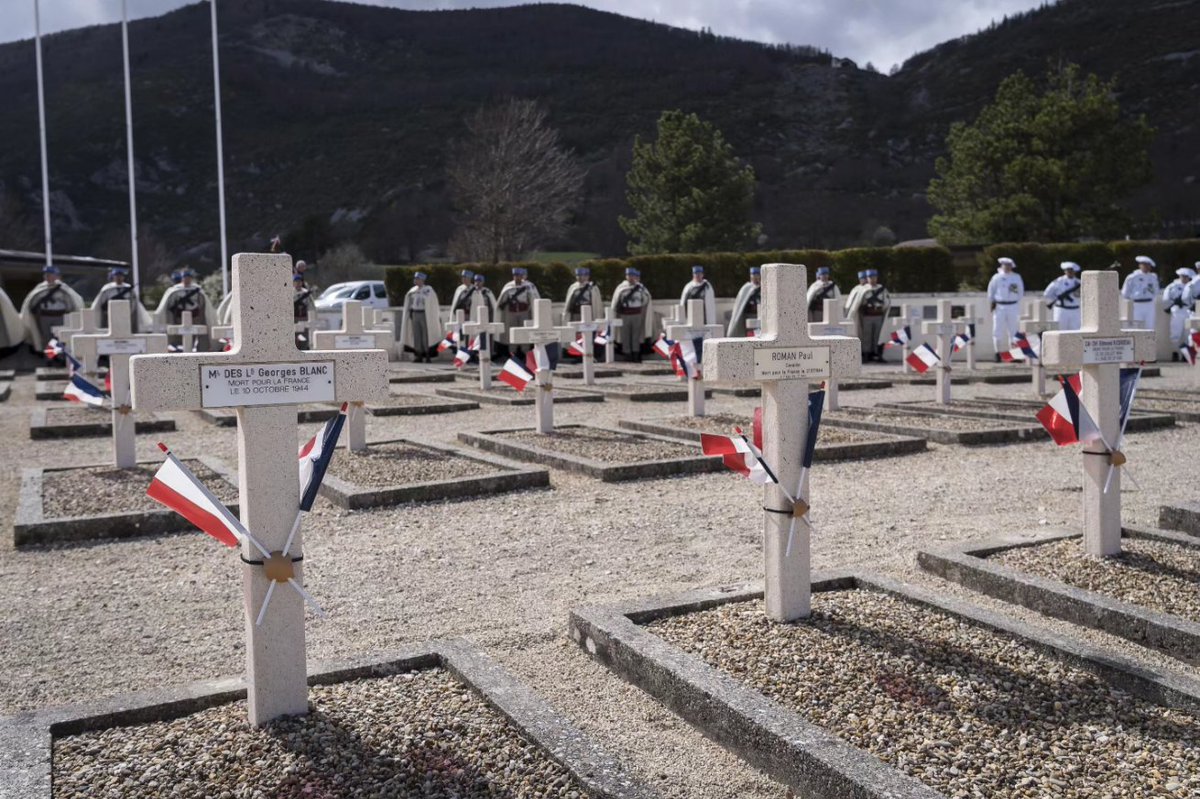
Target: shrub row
(1038,264)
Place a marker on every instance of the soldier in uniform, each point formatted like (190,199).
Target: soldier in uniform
(118,288)
(1063,296)
(1177,303)
(745,306)
(478,295)
(631,303)
(46,306)
(582,292)
(187,296)
(304,311)
(823,288)
(516,307)
(464,290)
(420,324)
(1004,291)
(699,289)
(12,332)
(1141,288)
(869,307)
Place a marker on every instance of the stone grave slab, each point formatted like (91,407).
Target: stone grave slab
(420,376)
(5,390)
(1147,594)
(938,428)
(1147,411)
(406,403)
(10,374)
(447,695)
(608,455)
(833,444)
(1183,517)
(644,392)
(1019,411)
(503,394)
(1171,394)
(85,503)
(890,690)
(396,471)
(49,389)
(599,371)
(59,372)
(915,378)
(72,421)
(651,368)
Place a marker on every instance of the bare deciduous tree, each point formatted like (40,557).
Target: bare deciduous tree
(513,186)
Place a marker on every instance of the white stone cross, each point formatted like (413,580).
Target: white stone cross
(837,324)
(68,328)
(354,336)
(264,377)
(1129,320)
(187,331)
(158,322)
(1038,320)
(675,318)
(119,343)
(455,325)
(943,328)
(485,330)
(611,323)
(1100,346)
(694,329)
(541,331)
(910,316)
(784,359)
(88,323)
(967,323)
(585,329)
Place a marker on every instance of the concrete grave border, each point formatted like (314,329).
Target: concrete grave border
(652,392)
(32,528)
(1171,394)
(1180,414)
(27,739)
(600,371)
(967,565)
(886,447)
(505,396)
(5,390)
(49,389)
(43,373)
(606,472)
(40,427)
(1184,517)
(514,477)
(435,404)
(1139,421)
(777,740)
(8,374)
(419,376)
(969,438)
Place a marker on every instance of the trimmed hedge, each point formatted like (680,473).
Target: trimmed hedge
(1038,264)
(1170,255)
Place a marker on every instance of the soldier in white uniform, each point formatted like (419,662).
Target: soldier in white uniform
(823,288)
(631,303)
(118,288)
(1063,296)
(699,289)
(745,306)
(186,296)
(1005,290)
(1177,303)
(516,308)
(583,292)
(420,323)
(869,307)
(1142,289)
(465,288)
(46,306)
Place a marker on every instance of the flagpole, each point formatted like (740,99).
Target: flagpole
(133,230)
(37,27)
(220,153)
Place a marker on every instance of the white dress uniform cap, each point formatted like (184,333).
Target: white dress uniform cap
(1065,265)
(1145,259)
(1184,271)
(1007,262)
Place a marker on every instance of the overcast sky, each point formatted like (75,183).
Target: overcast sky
(884,32)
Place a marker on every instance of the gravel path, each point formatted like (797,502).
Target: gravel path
(104,489)
(421,734)
(966,711)
(82,622)
(1153,574)
(399,463)
(605,446)
(930,422)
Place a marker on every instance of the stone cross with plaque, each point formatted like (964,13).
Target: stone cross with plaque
(585,330)
(839,325)
(187,331)
(1100,346)
(785,360)
(942,327)
(539,332)
(68,328)
(967,324)
(354,336)
(1033,325)
(911,317)
(87,323)
(610,324)
(264,377)
(485,330)
(694,329)
(119,343)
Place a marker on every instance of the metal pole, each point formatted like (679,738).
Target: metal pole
(220,155)
(37,26)
(133,230)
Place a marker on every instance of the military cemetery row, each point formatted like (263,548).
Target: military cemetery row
(801,678)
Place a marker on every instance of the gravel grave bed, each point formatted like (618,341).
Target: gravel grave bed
(401,398)
(76,415)
(421,734)
(1153,574)
(605,446)
(968,712)
(402,463)
(93,490)
(936,422)
(723,423)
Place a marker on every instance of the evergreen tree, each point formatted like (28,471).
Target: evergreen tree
(689,193)
(1049,166)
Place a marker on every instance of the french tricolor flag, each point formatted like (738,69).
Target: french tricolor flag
(663,346)
(1190,349)
(1021,350)
(739,455)
(576,347)
(80,390)
(686,357)
(923,358)
(315,457)
(602,336)
(961,340)
(461,358)
(73,365)
(515,375)
(175,486)
(900,337)
(54,348)
(451,340)
(1065,418)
